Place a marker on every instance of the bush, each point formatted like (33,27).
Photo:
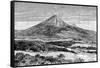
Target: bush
(50,59)
(18,58)
(60,56)
(79,60)
(38,55)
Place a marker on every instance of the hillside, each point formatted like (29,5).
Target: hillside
(55,27)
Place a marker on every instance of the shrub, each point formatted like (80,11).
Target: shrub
(18,58)
(38,55)
(50,59)
(79,60)
(60,56)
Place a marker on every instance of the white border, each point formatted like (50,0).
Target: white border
(5,33)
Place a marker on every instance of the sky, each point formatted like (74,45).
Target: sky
(30,14)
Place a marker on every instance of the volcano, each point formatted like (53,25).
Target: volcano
(55,27)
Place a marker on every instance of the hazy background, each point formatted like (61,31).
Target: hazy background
(30,14)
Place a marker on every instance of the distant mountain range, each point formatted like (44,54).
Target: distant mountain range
(55,27)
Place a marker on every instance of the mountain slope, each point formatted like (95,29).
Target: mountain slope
(55,27)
